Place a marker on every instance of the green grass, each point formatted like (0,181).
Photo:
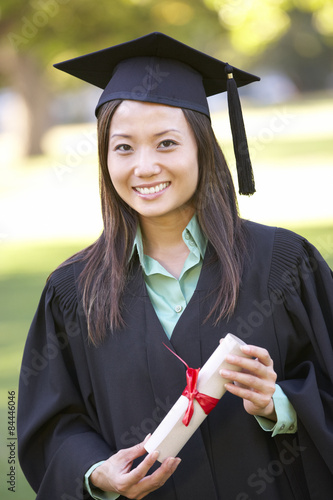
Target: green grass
(23,271)
(289,133)
(283,151)
(309,151)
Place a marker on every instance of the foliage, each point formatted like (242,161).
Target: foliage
(50,30)
(52,27)
(287,35)
(255,24)
(38,33)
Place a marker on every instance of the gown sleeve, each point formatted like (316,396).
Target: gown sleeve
(58,431)
(301,291)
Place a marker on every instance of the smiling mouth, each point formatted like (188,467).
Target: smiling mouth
(153,189)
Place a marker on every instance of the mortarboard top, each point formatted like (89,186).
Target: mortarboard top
(157,68)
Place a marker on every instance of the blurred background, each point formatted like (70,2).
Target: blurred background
(49,200)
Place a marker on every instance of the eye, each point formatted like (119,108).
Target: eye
(123,147)
(167,144)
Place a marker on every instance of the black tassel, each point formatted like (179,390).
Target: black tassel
(243,162)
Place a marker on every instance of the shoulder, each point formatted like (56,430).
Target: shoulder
(65,282)
(287,255)
(282,243)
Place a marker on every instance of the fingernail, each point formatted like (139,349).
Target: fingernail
(155,454)
(173,464)
(245,348)
(146,438)
(224,373)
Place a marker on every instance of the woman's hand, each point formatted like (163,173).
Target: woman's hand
(255,383)
(115,474)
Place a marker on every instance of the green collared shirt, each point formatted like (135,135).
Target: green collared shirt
(169,295)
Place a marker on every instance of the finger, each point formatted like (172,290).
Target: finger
(127,483)
(158,477)
(251,382)
(252,365)
(248,365)
(137,474)
(146,438)
(129,454)
(143,485)
(257,352)
(258,399)
(166,469)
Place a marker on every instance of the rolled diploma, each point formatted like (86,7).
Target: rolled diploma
(171,435)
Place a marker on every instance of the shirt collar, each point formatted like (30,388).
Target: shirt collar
(192,233)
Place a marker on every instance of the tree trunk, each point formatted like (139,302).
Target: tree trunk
(29,82)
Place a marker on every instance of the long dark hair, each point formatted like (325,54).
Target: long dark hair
(107,261)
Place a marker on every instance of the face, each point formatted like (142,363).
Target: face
(152,159)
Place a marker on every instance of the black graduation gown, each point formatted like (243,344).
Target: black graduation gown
(78,404)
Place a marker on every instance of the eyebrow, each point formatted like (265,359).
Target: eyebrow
(166,131)
(121,135)
(158,134)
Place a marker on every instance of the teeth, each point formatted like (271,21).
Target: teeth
(152,190)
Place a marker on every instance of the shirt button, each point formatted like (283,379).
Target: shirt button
(291,427)
(187,235)
(282,427)
(178,309)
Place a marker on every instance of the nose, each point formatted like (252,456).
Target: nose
(146,164)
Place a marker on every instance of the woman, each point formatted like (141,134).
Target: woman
(176,265)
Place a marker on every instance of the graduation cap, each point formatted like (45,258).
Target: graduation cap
(157,68)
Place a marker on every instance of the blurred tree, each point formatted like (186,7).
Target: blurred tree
(37,33)
(303,53)
(34,34)
(295,36)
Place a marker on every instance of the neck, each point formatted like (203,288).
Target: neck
(162,239)
(164,232)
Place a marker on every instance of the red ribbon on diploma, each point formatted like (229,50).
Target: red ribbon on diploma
(206,402)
